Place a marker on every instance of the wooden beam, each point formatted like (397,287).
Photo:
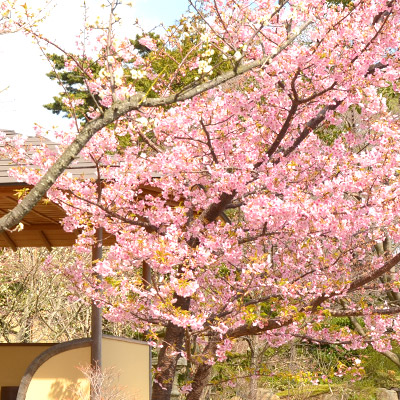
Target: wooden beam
(46,241)
(38,213)
(44,227)
(12,187)
(9,241)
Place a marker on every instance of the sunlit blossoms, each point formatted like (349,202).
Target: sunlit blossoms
(259,193)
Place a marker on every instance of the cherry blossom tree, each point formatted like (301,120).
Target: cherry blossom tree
(245,220)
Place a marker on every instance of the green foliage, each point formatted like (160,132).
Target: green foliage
(291,369)
(348,392)
(380,371)
(305,392)
(345,3)
(392,98)
(73,83)
(328,133)
(164,63)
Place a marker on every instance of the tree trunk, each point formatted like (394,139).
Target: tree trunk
(169,355)
(200,380)
(203,373)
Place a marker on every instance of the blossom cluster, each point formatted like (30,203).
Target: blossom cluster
(257,204)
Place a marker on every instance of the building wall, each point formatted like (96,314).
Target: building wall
(126,369)
(131,361)
(59,377)
(14,360)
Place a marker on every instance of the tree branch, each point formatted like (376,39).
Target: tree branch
(117,110)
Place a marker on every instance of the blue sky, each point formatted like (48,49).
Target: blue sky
(161,10)
(24,88)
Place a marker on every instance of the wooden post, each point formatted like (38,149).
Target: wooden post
(97,333)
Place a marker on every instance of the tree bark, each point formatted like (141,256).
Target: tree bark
(200,381)
(169,355)
(203,372)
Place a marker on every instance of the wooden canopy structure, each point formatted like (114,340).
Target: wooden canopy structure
(42,226)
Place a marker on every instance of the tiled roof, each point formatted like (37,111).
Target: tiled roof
(80,167)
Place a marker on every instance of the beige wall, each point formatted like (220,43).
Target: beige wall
(14,360)
(131,360)
(126,364)
(60,376)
